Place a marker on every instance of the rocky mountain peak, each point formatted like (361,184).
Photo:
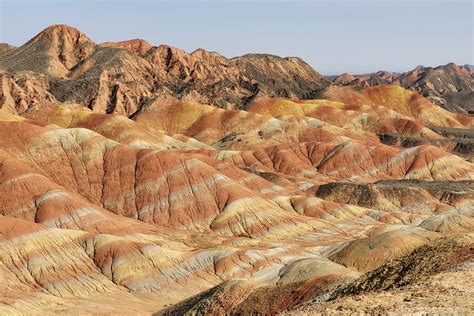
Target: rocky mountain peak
(136,46)
(344,79)
(126,72)
(54,51)
(63,32)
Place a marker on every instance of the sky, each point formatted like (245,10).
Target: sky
(356,36)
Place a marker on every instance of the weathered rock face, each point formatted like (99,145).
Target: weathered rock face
(55,51)
(122,77)
(135,46)
(272,73)
(450,86)
(120,192)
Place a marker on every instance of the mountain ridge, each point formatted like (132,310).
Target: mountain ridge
(63,53)
(450,86)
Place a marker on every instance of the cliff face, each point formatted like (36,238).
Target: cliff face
(122,77)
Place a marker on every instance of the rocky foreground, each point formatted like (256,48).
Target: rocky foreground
(137,179)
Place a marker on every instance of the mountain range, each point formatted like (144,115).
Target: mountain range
(449,86)
(123,77)
(141,179)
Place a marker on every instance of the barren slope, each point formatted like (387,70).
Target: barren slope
(137,179)
(122,77)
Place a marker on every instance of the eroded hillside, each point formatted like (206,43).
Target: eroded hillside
(141,179)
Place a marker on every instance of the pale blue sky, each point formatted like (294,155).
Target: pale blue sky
(356,36)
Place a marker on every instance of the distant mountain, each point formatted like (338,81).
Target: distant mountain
(4,47)
(450,86)
(123,77)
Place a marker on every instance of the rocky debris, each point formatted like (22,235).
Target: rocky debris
(434,278)
(400,284)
